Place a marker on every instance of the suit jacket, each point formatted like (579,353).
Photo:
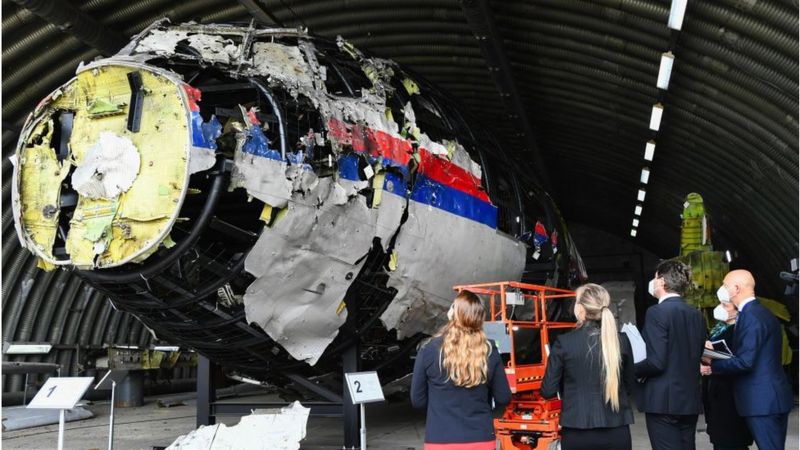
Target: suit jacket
(675,335)
(760,387)
(725,427)
(574,368)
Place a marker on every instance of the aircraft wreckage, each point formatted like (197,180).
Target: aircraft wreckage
(267,198)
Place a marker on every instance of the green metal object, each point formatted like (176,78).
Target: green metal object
(144,359)
(709,268)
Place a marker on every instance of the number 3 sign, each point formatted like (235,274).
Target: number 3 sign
(364,387)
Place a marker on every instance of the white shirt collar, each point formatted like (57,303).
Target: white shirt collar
(666,296)
(744,303)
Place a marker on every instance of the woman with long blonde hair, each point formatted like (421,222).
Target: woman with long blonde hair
(592,370)
(456,377)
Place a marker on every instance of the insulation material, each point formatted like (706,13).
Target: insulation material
(262,430)
(304,265)
(284,65)
(215,48)
(424,278)
(109,168)
(130,185)
(161,41)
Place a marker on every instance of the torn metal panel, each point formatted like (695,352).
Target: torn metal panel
(424,278)
(263,178)
(262,430)
(304,265)
(16,203)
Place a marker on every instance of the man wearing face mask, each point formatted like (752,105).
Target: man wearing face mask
(674,334)
(726,429)
(760,388)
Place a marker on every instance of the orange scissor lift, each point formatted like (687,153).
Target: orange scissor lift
(529,421)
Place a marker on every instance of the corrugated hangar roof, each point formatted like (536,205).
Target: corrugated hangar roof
(572,81)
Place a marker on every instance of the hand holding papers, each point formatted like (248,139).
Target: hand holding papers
(637,343)
(719,350)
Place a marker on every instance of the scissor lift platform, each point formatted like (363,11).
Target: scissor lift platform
(522,319)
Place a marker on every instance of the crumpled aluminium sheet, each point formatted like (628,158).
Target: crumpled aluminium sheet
(263,178)
(304,265)
(424,278)
(263,430)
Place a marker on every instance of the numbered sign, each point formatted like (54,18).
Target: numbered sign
(364,387)
(61,393)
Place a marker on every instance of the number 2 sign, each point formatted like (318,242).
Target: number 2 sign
(364,387)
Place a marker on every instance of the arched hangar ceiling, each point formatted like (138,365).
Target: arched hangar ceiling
(583,78)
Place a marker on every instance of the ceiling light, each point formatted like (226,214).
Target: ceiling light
(635,223)
(655,116)
(26,348)
(638,210)
(645,177)
(633,232)
(640,195)
(649,150)
(665,70)
(676,13)
(728,255)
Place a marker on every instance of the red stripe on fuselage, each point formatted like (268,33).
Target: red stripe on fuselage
(380,143)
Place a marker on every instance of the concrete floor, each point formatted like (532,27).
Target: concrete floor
(393,426)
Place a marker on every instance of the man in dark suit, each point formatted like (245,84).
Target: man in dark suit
(674,334)
(760,389)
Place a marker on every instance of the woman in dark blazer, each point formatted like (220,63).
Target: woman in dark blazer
(726,429)
(456,376)
(592,370)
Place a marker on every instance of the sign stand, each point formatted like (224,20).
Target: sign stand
(110,380)
(364,387)
(61,394)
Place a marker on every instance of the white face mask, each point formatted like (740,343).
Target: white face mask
(723,295)
(721,314)
(651,287)
(450,313)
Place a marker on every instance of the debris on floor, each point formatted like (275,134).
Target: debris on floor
(264,429)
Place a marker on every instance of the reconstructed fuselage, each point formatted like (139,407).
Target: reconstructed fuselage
(267,198)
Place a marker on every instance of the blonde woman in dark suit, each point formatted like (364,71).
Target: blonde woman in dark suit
(592,368)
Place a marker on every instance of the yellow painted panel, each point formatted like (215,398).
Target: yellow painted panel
(136,221)
(40,178)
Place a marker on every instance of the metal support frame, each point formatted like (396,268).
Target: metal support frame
(208,408)
(479,18)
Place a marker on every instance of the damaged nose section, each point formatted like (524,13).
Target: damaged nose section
(101,168)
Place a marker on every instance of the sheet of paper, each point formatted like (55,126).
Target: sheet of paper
(637,343)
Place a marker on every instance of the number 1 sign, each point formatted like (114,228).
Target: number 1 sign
(61,393)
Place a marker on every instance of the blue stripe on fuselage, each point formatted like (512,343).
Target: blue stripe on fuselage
(429,192)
